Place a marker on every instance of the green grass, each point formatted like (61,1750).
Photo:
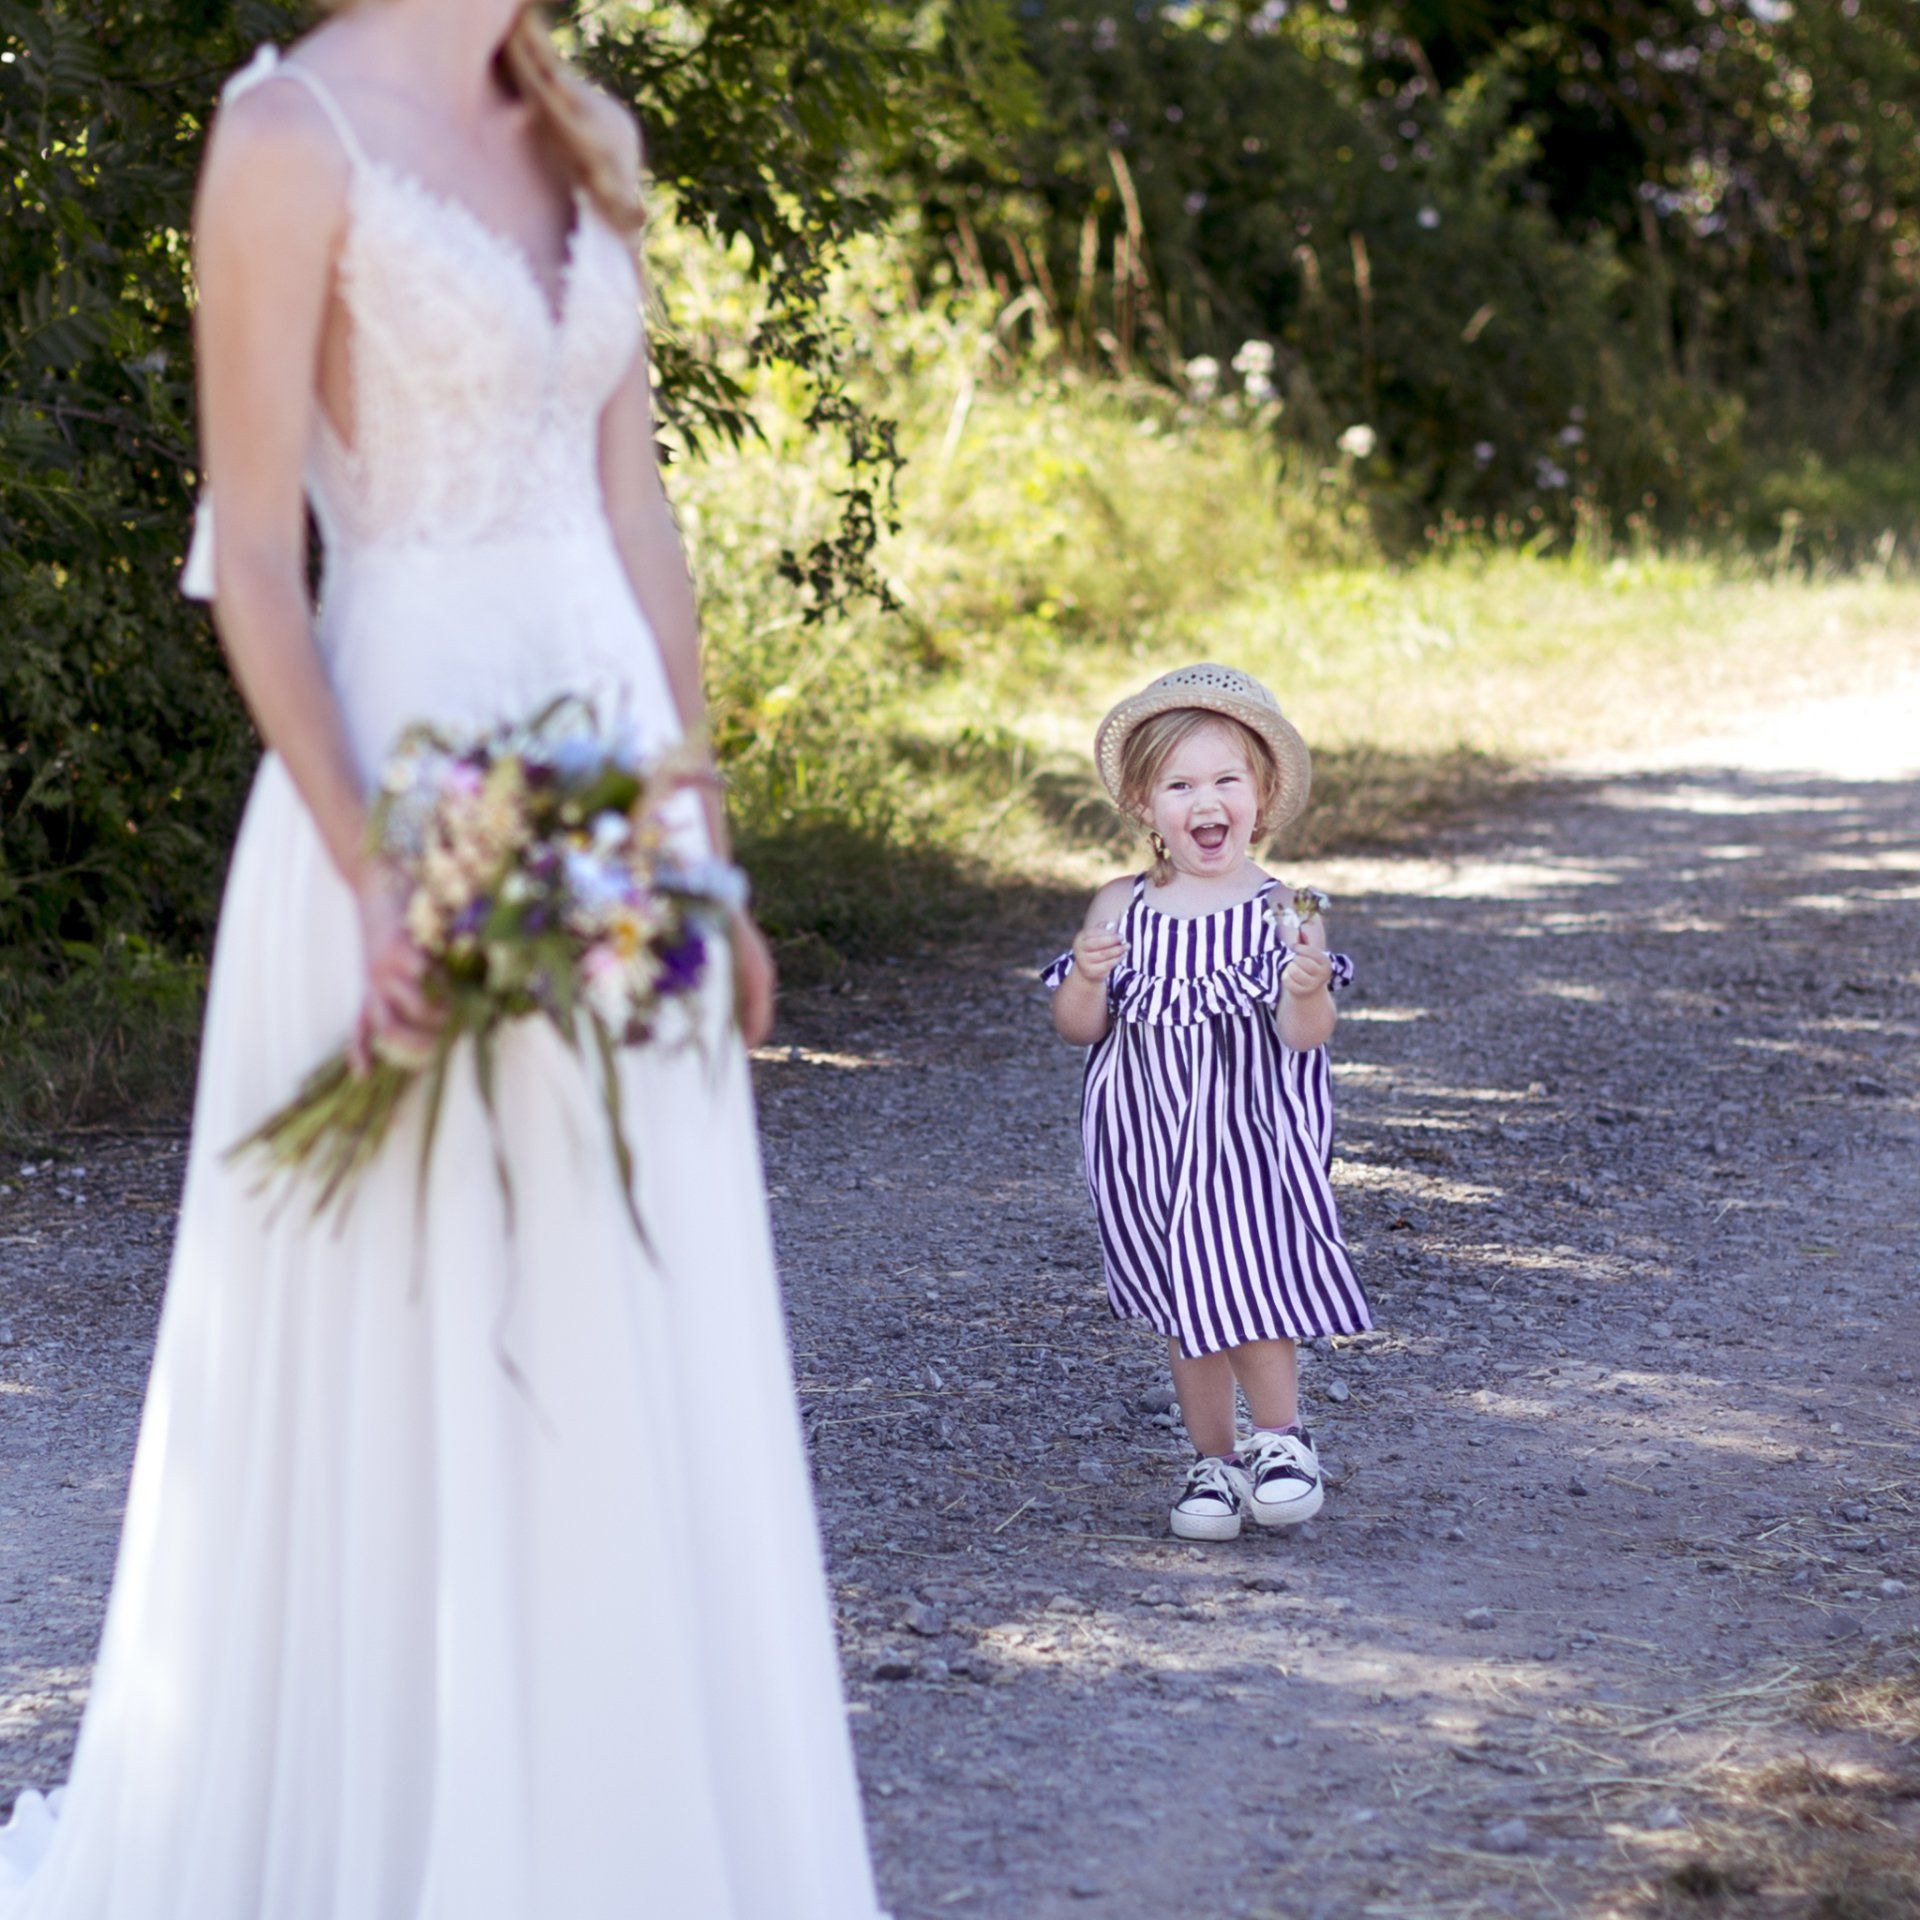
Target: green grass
(96,1036)
(899,778)
(1063,543)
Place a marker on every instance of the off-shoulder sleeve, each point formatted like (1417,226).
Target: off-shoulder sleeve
(1056,972)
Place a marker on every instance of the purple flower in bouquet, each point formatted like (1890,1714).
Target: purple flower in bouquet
(683,966)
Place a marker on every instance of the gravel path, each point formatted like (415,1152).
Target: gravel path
(1625,1511)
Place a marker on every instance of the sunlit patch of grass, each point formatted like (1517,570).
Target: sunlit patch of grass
(1064,540)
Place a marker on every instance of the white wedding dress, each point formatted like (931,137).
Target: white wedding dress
(391,1636)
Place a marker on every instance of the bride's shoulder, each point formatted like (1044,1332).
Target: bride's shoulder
(272,157)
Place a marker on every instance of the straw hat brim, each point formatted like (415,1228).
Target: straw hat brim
(1290,755)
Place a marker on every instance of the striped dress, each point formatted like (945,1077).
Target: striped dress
(1208,1143)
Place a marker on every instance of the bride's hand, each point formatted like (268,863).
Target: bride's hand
(396,1011)
(755,980)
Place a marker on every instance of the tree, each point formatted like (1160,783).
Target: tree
(123,751)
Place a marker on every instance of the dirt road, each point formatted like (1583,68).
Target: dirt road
(1613,1606)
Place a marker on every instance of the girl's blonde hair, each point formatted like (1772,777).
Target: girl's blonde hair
(1147,749)
(568,111)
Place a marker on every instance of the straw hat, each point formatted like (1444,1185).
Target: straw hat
(1213,689)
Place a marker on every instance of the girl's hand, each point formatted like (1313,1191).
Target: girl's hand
(1308,969)
(1097,951)
(396,1015)
(755,980)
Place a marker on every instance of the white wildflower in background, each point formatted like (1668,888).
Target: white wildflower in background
(1359,441)
(1483,452)
(1428,217)
(1195,202)
(1572,436)
(1254,364)
(1547,476)
(1203,376)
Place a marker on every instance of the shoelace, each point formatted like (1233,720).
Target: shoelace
(1274,1465)
(1209,1479)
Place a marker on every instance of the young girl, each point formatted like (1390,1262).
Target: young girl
(1207,1116)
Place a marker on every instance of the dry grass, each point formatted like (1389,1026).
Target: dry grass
(1827,1836)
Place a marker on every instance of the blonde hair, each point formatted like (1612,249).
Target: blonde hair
(569,113)
(1149,746)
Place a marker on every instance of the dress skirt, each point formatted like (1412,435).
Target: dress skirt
(470,1569)
(1208,1143)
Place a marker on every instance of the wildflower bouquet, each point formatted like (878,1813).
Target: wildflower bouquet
(542,884)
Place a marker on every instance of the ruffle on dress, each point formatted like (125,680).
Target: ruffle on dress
(1242,986)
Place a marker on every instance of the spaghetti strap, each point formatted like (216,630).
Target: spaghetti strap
(268,64)
(331,107)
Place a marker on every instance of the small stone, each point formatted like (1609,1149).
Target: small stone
(1280,1742)
(1453,1533)
(1157,1400)
(1266,1583)
(1854,1510)
(1506,1836)
(1891,1589)
(1066,1603)
(1158,1596)
(1339,1392)
(893,1666)
(1478,1618)
(1845,1626)
(1276,1847)
(934,1669)
(1546,1652)
(1086,1889)
(1095,1473)
(1661,1330)
(923,1619)
(1578,1487)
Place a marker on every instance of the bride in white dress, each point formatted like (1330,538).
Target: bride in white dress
(393,1637)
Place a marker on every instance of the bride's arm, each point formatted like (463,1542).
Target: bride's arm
(656,564)
(268,218)
(648,537)
(269,215)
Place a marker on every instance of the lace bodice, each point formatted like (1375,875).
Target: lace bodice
(476,403)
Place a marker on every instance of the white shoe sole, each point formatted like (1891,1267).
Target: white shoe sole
(1200,1526)
(1286,1513)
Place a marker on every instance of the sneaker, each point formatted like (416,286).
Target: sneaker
(1282,1473)
(1210,1506)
